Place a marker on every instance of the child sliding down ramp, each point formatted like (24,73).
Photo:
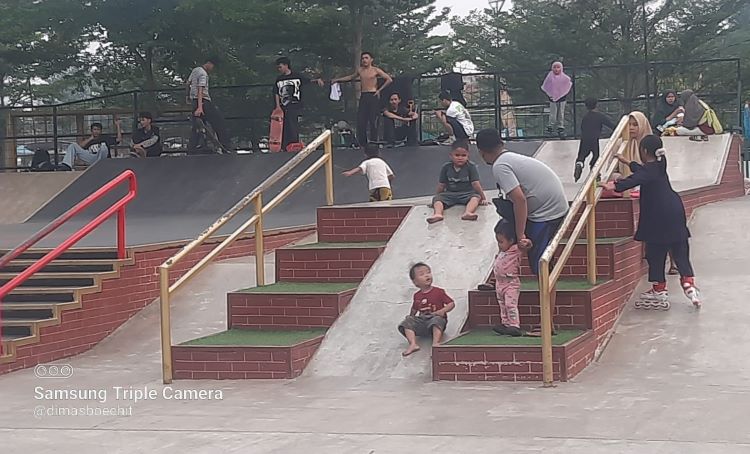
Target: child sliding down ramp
(365,342)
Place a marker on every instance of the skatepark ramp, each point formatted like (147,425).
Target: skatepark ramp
(364,342)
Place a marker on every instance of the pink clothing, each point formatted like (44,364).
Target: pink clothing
(508,285)
(557,86)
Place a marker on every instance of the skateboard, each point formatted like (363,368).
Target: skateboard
(208,134)
(276,134)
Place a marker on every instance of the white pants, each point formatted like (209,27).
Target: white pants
(557,114)
(75,151)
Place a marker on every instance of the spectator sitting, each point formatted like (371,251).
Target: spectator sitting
(458,185)
(700,120)
(456,119)
(669,112)
(400,123)
(146,141)
(93,149)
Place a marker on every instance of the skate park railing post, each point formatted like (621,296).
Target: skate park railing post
(254,198)
(584,203)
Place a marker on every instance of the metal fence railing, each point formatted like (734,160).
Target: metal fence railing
(511,101)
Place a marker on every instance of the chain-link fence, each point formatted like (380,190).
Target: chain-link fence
(510,101)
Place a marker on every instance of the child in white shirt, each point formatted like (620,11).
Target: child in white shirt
(378,173)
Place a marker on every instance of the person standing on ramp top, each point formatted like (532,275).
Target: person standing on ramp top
(203,106)
(369,102)
(288,96)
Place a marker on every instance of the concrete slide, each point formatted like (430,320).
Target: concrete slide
(364,342)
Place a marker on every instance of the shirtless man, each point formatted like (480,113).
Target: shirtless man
(369,101)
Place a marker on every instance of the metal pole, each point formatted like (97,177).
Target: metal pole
(260,267)
(645,57)
(419,106)
(497,104)
(329,171)
(575,104)
(121,233)
(166,325)
(55,143)
(135,111)
(739,95)
(548,376)
(591,235)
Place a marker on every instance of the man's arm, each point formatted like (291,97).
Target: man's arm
(521,212)
(118,125)
(386,76)
(278,101)
(199,110)
(348,78)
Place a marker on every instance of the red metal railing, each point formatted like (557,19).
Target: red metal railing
(118,208)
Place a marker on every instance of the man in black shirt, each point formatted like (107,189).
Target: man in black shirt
(288,96)
(93,149)
(146,141)
(591,129)
(400,123)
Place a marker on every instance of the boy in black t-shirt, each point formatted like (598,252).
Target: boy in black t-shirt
(459,185)
(146,141)
(288,96)
(399,122)
(591,129)
(93,149)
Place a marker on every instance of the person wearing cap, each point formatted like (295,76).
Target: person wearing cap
(203,106)
(146,142)
(535,192)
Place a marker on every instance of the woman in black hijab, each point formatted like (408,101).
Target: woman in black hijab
(669,112)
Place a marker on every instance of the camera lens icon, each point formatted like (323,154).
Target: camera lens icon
(53,371)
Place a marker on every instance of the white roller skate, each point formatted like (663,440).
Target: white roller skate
(653,299)
(693,294)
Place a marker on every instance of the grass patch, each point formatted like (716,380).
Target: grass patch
(370,244)
(486,336)
(258,338)
(303,287)
(562,285)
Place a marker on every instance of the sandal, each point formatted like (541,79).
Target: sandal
(486,287)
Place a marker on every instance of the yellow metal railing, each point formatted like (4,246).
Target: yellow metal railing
(255,198)
(588,196)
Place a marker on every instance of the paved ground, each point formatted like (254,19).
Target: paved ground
(669,383)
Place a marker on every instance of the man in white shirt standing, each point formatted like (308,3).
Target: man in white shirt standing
(203,107)
(456,119)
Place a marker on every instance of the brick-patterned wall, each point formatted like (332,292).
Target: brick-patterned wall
(325,265)
(242,362)
(119,300)
(576,267)
(359,224)
(511,363)
(572,310)
(614,219)
(285,311)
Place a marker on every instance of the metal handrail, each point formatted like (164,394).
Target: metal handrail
(117,207)
(254,198)
(588,195)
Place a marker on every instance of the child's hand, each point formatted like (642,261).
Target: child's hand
(609,185)
(484,203)
(525,244)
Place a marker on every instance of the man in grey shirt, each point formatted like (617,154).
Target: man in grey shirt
(537,194)
(203,107)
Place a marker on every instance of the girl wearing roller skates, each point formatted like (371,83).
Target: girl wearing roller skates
(662,224)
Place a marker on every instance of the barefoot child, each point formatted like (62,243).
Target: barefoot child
(662,224)
(458,185)
(429,311)
(507,270)
(378,172)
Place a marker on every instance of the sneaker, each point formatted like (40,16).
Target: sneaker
(501,330)
(513,331)
(448,142)
(63,168)
(692,293)
(578,171)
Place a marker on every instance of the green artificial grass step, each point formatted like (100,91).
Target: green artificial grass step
(563,285)
(303,287)
(486,336)
(368,244)
(258,338)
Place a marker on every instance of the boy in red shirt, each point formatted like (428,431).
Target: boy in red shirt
(429,311)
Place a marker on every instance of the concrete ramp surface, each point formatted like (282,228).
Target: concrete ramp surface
(364,342)
(692,165)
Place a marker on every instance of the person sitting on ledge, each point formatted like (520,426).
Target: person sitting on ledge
(93,149)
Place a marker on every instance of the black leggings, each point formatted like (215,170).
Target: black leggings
(588,146)
(367,118)
(656,255)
